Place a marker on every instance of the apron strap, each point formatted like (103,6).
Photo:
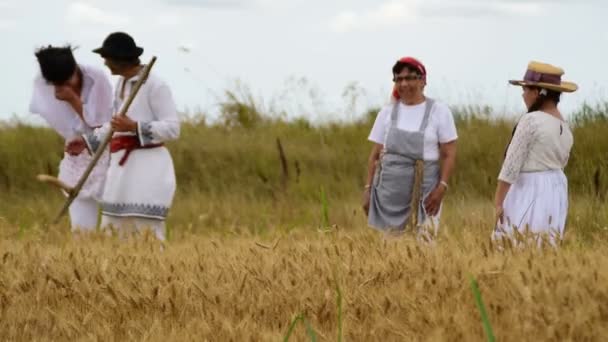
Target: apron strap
(427,112)
(393,122)
(395,114)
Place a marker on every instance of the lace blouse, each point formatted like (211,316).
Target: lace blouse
(541,142)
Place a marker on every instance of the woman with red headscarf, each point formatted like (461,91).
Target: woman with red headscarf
(412,128)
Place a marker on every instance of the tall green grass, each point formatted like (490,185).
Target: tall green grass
(232,174)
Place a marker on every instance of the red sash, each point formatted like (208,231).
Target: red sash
(128,143)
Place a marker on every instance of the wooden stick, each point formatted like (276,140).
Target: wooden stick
(104,143)
(416,192)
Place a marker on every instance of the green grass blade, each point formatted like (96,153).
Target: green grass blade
(168,233)
(310,331)
(21,231)
(487,326)
(292,327)
(324,209)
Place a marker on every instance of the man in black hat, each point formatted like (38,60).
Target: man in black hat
(140,182)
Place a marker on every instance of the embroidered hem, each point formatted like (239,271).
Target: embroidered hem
(135,209)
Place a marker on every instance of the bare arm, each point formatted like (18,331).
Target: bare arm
(499,198)
(447,161)
(372,162)
(501,192)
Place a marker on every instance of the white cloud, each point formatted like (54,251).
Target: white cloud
(528,8)
(395,12)
(6,25)
(388,14)
(476,9)
(83,13)
(169,19)
(4,5)
(345,21)
(212,3)
(230,4)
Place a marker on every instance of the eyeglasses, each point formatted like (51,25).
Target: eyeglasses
(399,79)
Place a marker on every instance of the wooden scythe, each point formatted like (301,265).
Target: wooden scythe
(416,193)
(73,192)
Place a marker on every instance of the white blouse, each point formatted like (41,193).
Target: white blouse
(440,129)
(541,142)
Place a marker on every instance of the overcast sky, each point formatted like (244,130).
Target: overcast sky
(300,55)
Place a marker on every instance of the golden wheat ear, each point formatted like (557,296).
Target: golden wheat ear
(54,181)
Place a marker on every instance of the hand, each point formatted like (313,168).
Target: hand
(432,203)
(66,93)
(76,146)
(366,199)
(500,213)
(123,124)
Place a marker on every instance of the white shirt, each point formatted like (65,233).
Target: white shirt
(96,96)
(440,129)
(153,109)
(96,99)
(541,142)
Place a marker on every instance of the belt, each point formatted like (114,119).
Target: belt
(128,143)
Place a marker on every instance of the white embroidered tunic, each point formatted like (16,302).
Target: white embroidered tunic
(541,142)
(144,186)
(96,99)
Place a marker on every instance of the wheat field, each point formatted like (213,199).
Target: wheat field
(267,242)
(348,285)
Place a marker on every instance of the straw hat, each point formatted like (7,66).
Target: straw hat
(547,76)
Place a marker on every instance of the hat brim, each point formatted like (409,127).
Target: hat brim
(567,87)
(112,54)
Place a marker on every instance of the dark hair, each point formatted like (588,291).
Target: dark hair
(57,64)
(549,96)
(125,63)
(399,66)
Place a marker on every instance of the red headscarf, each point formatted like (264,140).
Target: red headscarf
(410,61)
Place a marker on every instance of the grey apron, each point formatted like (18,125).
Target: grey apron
(391,193)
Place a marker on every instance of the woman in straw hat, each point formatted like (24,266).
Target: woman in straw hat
(411,130)
(532,192)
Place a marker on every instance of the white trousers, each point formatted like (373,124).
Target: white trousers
(83,214)
(129,225)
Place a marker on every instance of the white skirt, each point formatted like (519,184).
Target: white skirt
(143,187)
(538,204)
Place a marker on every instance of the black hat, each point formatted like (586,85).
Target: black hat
(119,45)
